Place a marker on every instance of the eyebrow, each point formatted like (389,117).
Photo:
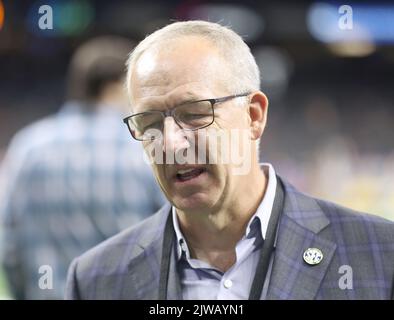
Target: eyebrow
(188,97)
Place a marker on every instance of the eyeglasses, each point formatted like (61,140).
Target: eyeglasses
(190,116)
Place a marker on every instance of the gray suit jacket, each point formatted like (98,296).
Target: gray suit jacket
(357,246)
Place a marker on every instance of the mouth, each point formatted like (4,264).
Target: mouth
(189,174)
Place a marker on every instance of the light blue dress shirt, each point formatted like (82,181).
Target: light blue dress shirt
(200,280)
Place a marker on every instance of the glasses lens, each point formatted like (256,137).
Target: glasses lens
(142,125)
(194,115)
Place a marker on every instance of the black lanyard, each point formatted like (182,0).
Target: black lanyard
(265,253)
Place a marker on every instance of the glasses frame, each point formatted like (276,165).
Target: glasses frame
(171,112)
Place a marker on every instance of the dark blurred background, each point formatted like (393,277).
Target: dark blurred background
(330,128)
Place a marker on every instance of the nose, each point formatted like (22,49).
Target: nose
(174,138)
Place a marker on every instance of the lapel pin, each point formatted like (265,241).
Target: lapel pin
(313,256)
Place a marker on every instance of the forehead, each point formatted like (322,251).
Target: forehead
(190,66)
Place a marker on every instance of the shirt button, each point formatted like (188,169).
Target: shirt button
(183,246)
(228,284)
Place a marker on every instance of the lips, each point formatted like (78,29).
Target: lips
(183,175)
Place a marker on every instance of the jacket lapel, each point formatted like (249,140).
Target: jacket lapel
(174,291)
(302,221)
(144,269)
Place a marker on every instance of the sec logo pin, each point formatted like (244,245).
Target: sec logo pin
(313,256)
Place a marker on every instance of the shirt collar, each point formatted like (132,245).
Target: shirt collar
(264,209)
(181,242)
(263,212)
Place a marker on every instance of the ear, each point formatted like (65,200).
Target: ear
(258,110)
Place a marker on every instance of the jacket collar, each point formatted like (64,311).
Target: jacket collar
(302,226)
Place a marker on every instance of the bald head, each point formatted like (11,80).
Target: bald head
(185,62)
(241,73)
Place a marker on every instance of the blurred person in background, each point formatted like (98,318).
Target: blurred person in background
(73,179)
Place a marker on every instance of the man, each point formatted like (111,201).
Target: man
(73,179)
(225,234)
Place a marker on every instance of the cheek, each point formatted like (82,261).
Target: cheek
(159,173)
(232,116)
(162,180)
(221,180)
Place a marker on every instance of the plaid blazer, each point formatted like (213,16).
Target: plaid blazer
(127,266)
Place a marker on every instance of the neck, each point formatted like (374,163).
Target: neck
(212,236)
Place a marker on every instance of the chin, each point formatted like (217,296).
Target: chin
(195,202)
